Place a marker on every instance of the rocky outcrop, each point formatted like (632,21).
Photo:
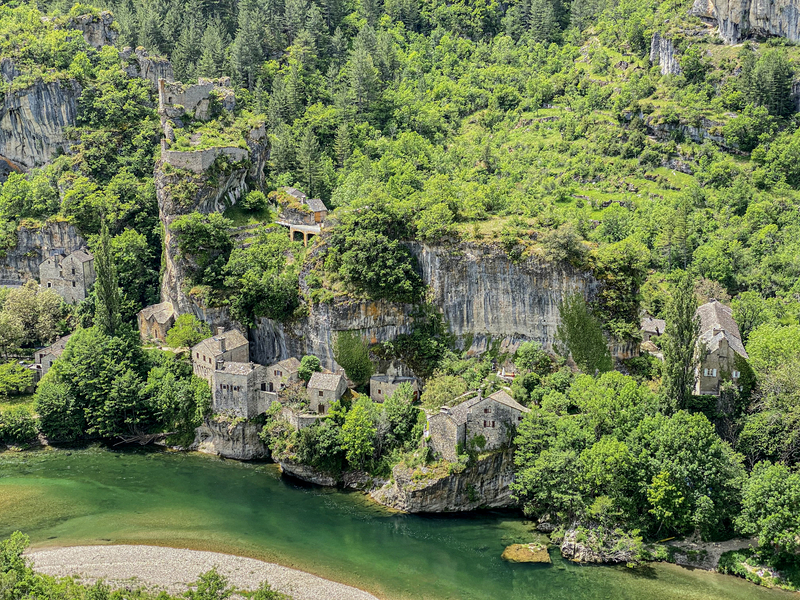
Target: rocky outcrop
(487,300)
(482,485)
(740,19)
(599,546)
(34,245)
(137,63)
(32,122)
(308,473)
(239,440)
(98,29)
(180,192)
(662,54)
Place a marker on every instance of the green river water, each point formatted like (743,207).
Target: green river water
(99,496)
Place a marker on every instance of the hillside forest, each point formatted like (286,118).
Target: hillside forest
(542,128)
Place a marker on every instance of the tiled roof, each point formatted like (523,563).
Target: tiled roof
(233,339)
(290,364)
(81,255)
(325,381)
(460,412)
(161,312)
(295,192)
(57,347)
(652,325)
(392,379)
(503,397)
(716,323)
(316,205)
(237,368)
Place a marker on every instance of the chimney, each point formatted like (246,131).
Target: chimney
(222,344)
(220,330)
(220,364)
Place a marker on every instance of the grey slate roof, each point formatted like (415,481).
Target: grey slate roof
(233,339)
(716,324)
(237,368)
(652,325)
(392,379)
(503,397)
(460,412)
(56,348)
(295,192)
(161,312)
(325,381)
(82,256)
(316,205)
(290,364)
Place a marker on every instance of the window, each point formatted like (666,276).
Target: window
(713,372)
(49,284)
(492,423)
(197,355)
(73,271)
(73,284)
(484,423)
(379,392)
(736,374)
(320,394)
(519,418)
(263,387)
(279,373)
(486,411)
(275,372)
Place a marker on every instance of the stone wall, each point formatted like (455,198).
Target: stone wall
(199,161)
(443,436)
(504,418)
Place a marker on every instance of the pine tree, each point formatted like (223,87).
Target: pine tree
(363,77)
(308,161)
(212,60)
(543,24)
(187,51)
(107,304)
(246,52)
(680,339)
(295,18)
(342,144)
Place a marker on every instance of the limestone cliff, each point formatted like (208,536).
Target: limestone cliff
(138,63)
(239,441)
(482,485)
(662,54)
(34,245)
(487,300)
(32,122)
(98,29)
(740,19)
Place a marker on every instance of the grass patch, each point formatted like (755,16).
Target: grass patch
(25,400)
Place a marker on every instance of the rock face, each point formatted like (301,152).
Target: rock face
(239,441)
(483,485)
(141,64)
(486,299)
(210,194)
(662,54)
(739,19)
(307,473)
(21,263)
(32,122)
(98,30)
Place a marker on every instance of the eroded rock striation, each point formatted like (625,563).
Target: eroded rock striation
(740,19)
(482,485)
(663,55)
(32,122)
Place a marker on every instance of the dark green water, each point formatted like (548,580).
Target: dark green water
(189,500)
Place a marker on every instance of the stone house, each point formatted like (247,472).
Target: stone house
(651,327)
(324,389)
(240,389)
(45,357)
(282,374)
(318,209)
(70,276)
(382,387)
(488,421)
(226,346)
(155,321)
(718,346)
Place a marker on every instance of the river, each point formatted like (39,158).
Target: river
(97,496)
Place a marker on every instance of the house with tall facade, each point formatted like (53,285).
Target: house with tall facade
(225,346)
(283,374)
(651,327)
(490,422)
(324,389)
(155,321)
(382,387)
(240,389)
(718,346)
(70,276)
